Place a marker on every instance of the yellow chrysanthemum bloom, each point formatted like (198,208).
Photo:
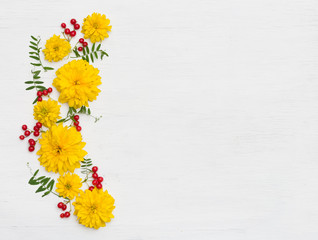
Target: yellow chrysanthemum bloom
(47,112)
(61,149)
(94,208)
(95,27)
(56,49)
(77,83)
(68,185)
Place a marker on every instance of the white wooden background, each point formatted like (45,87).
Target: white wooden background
(210,119)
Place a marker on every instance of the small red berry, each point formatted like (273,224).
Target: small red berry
(39,93)
(76,117)
(76,123)
(21,137)
(85,44)
(95,175)
(64,207)
(39,125)
(95,182)
(73,33)
(91,188)
(100,179)
(36,134)
(62,215)
(24,127)
(39,99)
(67,214)
(63,25)
(45,92)
(73,21)
(81,40)
(49,89)
(27,133)
(78,128)
(36,128)
(31,148)
(77,26)
(80,49)
(99,186)
(32,142)
(60,205)
(94,169)
(67,31)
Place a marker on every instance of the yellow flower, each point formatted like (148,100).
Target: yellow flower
(95,27)
(56,49)
(94,208)
(47,112)
(77,82)
(69,185)
(61,149)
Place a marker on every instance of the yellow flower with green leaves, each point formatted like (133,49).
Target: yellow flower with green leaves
(68,185)
(56,48)
(47,112)
(95,27)
(94,208)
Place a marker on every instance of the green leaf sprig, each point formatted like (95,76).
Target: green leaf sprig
(90,55)
(35,53)
(46,183)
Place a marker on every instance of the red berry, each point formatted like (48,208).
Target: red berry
(77,26)
(100,179)
(67,31)
(94,169)
(32,142)
(45,92)
(38,124)
(39,93)
(63,25)
(36,134)
(95,182)
(67,214)
(78,128)
(73,33)
(73,21)
(76,123)
(95,175)
(64,207)
(24,127)
(62,215)
(80,49)
(49,89)
(27,133)
(76,117)
(81,40)
(60,205)
(36,128)
(91,188)
(31,148)
(39,99)
(85,44)
(99,186)
(21,137)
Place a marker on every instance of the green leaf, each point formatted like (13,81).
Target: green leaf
(87,49)
(98,47)
(46,193)
(36,99)
(40,189)
(36,72)
(45,180)
(40,178)
(33,182)
(33,43)
(48,68)
(76,53)
(34,38)
(61,120)
(29,88)
(92,58)
(84,51)
(93,47)
(34,48)
(38,82)
(96,55)
(34,53)
(36,64)
(28,82)
(50,185)
(89,111)
(36,77)
(36,58)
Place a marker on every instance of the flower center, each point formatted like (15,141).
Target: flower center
(44,111)
(77,82)
(58,149)
(68,186)
(56,48)
(93,208)
(95,25)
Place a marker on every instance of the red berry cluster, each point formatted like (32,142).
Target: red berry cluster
(63,207)
(27,133)
(97,180)
(43,93)
(67,31)
(82,41)
(76,123)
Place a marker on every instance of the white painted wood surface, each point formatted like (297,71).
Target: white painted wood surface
(209,128)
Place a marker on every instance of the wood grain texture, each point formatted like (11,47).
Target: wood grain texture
(209,128)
